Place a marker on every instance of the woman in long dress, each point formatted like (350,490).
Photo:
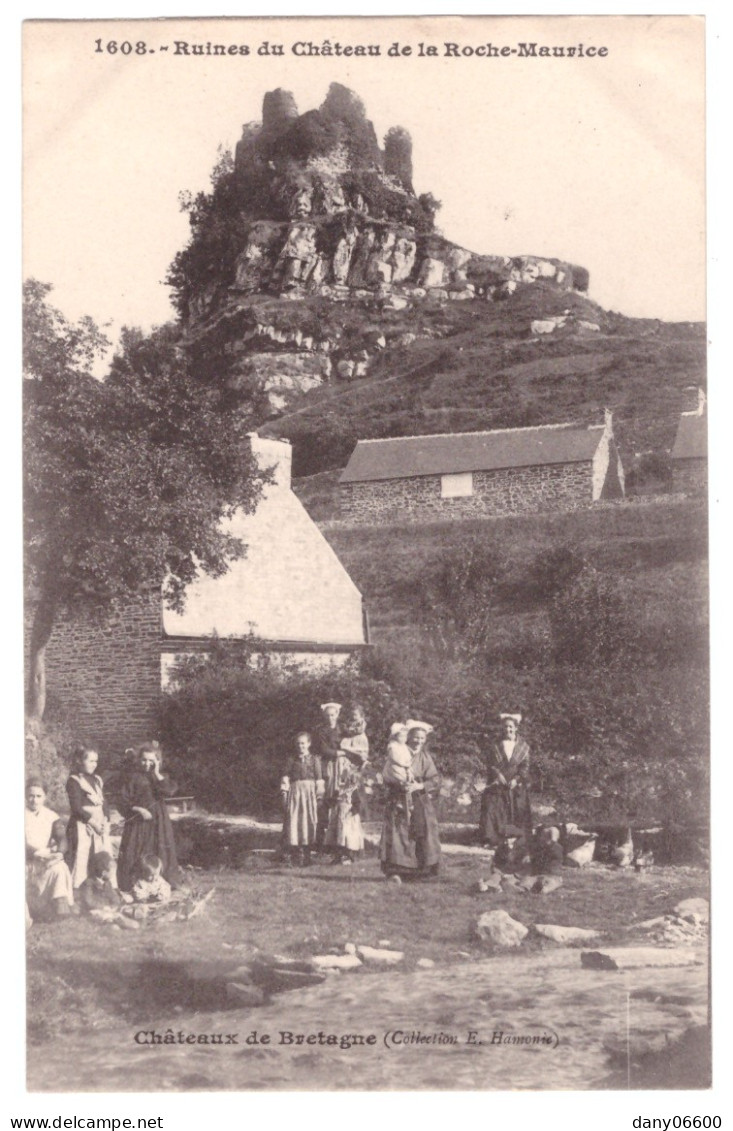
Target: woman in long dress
(410,844)
(148,828)
(327,738)
(88,828)
(505,803)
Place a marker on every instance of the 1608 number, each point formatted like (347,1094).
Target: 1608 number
(112,47)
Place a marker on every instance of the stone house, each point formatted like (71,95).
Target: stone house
(479,474)
(291,592)
(689,455)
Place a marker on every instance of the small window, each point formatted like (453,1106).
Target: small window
(456,486)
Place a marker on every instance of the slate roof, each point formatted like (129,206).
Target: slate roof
(691,441)
(407,456)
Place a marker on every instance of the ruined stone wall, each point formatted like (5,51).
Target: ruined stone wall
(690,476)
(520,490)
(105,675)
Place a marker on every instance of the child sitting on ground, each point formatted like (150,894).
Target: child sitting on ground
(548,853)
(99,899)
(151,887)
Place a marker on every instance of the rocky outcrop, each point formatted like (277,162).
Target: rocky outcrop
(311,208)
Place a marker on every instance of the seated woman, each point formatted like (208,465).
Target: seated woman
(505,805)
(410,845)
(48,880)
(88,827)
(148,828)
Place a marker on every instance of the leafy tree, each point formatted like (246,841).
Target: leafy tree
(592,621)
(457,605)
(127,479)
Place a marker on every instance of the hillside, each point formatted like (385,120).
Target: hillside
(656,550)
(478,366)
(318,290)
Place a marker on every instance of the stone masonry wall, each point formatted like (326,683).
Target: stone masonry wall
(106,675)
(520,490)
(690,476)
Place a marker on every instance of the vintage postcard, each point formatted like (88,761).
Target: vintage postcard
(365,438)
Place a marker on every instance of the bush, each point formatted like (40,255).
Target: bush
(231,723)
(590,621)
(457,603)
(49,751)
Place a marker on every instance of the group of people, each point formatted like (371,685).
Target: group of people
(70,864)
(324,799)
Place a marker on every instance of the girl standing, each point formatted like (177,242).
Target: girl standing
(88,827)
(301,788)
(345,835)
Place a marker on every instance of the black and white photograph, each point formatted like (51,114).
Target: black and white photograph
(365,517)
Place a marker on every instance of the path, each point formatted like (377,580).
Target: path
(592,1013)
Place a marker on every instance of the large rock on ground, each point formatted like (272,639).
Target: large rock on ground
(565,935)
(377,956)
(498,930)
(637,957)
(240,994)
(277,975)
(686,908)
(336,961)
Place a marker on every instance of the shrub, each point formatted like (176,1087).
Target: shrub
(457,603)
(591,622)
(231,722)
(554,570)
(49,750)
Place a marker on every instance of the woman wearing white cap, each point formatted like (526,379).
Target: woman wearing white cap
(410,845)
(327,745)
(505,806)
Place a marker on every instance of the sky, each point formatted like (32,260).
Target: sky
(599,161)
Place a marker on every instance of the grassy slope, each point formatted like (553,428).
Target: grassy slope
(475,365)
(658,549)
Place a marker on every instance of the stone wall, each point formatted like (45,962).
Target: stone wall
(105,675)
(690,476)
(520,490)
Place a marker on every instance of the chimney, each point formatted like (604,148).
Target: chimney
(270,453)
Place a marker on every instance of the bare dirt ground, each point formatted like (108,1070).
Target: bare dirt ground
(93,988)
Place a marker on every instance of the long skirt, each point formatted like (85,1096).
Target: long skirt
(141,837)
(410,843)
(504,813)
(345,828)
(301,818)
(83,843)
(45,883)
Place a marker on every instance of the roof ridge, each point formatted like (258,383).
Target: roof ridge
(482,432)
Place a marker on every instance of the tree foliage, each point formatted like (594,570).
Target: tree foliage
(126,480)
(457,604)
